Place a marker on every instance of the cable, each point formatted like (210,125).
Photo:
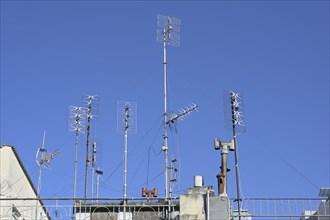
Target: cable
(143,79)
(148,166)
(148,181)
(296,170)
(110,186)
(120,163)
(156,135)
(11,185)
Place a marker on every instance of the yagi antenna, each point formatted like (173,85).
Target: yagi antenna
(173,118)
(43,160)
(126,116)
(182,114)
(168,29)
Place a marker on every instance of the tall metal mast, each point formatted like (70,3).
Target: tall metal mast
(77,114)
(129,116)
(236,121)
(43,161)
(125,158)
(93,166)
(90,99)
(167,34)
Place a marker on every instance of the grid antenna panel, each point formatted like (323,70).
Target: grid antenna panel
(168,23)
(168,30)
(132,120)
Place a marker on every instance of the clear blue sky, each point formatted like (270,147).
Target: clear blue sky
(275,52)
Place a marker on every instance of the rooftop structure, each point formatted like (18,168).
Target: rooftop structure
(16,183)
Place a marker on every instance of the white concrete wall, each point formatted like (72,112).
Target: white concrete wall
(192,207)
(14,184)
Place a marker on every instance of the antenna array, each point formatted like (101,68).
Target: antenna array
(234,111)
(43,161)
(76,123)
(89,100)
(236,121)
(132,120)
(167,34)
(127,116)
(168,30)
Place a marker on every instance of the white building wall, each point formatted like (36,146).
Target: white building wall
(14,183)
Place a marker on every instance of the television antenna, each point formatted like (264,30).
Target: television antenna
(43,161)
(167,34)
(76,123)
(238,125)
(127,116)
(183,113)
(89,100)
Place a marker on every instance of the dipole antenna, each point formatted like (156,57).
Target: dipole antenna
(89,101)
(129,115)
(237,122)
(76,124)
(167,34)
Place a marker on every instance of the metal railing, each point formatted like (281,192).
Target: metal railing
(85,209)
(284,208)
(140,209)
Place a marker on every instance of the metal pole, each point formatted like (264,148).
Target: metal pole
(89,111)
(40,171)
(93,167)
(76,159)
(232,101)
(208,205)
(125,158)
(171,181)
(165,147)
(97,185)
